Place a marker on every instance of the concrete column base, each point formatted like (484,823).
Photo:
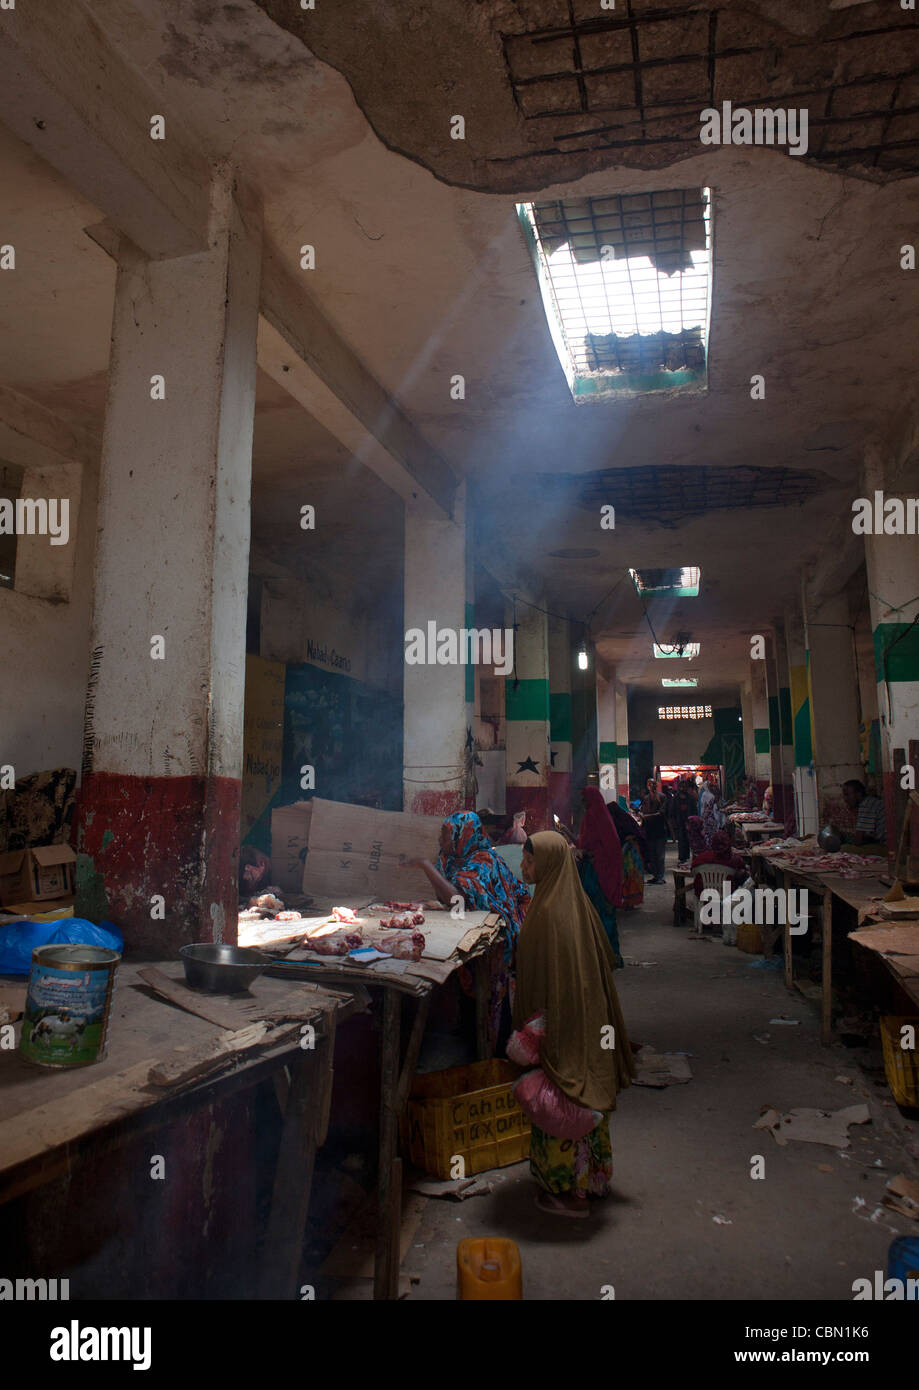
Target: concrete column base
(175,837)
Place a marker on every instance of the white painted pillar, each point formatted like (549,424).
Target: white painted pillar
(893,594)
(559,777)
(435,728)
(160,799)
(746,709)
(527,719)
(762,764)
(832,684)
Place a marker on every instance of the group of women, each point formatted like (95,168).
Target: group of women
(559,952)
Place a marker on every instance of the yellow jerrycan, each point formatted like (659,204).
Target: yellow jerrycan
(488,1267)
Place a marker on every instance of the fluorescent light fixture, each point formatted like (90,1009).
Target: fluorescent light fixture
(686,680)
(582,657)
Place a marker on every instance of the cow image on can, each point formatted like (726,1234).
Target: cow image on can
(67,1007)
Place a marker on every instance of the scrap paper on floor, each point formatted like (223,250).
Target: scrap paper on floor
(814,1126)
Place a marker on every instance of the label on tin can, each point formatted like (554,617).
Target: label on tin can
(66,1014)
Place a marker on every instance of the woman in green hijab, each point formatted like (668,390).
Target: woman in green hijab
(565,971)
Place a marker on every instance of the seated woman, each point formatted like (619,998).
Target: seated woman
(719,853)
(565,971)
(600,864)
(468,866)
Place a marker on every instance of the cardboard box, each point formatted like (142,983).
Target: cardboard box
(355,852)
(750,938)
(290,833)
(47,871)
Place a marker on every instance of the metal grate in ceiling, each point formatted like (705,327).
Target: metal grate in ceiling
(648,72)
(667,495)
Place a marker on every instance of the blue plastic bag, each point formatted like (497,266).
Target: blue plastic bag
(19,939)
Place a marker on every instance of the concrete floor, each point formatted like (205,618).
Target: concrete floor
(682,1154)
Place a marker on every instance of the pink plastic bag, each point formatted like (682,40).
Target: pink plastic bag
(523,1046)
(550,1109)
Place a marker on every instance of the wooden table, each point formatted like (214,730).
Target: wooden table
(855,892)
(418,980)
(47,1114)
(753,829)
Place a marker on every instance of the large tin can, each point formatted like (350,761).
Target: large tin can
(67,1007)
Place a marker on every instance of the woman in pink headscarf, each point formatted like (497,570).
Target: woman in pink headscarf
(600,863)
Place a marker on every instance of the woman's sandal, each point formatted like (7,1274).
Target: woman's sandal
(545,1203)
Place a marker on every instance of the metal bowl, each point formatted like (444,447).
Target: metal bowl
(828,840)
(222,969)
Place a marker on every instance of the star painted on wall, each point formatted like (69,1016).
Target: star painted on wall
(527,765)
(470,741)
(553,755)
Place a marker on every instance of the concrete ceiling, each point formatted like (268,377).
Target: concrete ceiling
(424,279)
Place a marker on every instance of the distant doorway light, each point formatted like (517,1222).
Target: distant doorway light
(686,680)
(676,649)
(684,711)
(626,287)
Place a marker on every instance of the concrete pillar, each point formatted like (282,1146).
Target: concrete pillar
(526,692)
(780,732)
(613,738)
(832,684)
(585,764)
(436,726)
(622,745)
(561,658)
(801,725)
(158,829)
(893,594)
(746,710)
(762,757)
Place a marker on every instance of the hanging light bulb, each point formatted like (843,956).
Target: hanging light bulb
(582,657)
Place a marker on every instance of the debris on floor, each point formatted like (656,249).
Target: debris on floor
(661,1068)
(722,1220)
(902,1196)
(790,1022)
(813,1126)
(458,1189)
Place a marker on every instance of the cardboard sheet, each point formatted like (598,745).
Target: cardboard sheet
(356,851)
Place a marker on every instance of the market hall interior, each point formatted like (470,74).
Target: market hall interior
(326,344)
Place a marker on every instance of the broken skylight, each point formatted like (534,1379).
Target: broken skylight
(679,583)
(626,288)
(678,649)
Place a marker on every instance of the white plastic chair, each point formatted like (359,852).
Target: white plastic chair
(712,876)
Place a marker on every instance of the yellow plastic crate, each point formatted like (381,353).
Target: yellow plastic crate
(465,1112)
(750,938)
(900,1063)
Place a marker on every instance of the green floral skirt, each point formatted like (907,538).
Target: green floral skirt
(573,1165)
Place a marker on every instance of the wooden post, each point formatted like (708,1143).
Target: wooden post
(412,1050)
(482,982)
(826,1002)
(306,1118)
(389,1198)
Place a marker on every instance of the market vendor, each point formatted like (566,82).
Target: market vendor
(468,867)
(869,825)
(254,871)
